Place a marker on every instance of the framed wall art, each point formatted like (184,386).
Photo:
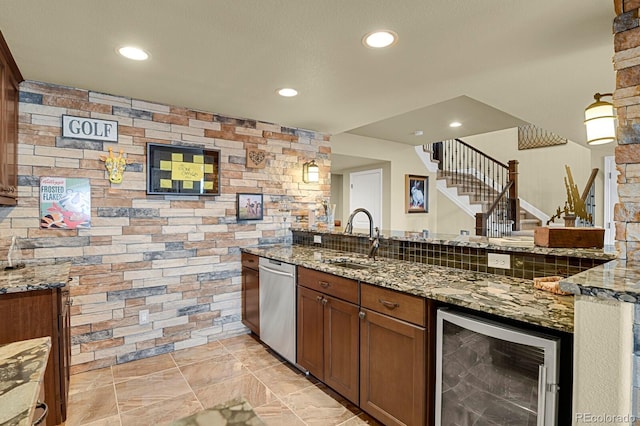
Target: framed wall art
(416,193)
(249,206)
(65,203)
(173,169)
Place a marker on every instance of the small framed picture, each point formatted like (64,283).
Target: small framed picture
(416,190)
(249,206)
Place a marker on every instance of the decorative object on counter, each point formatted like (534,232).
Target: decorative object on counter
(182,170)
(14,255)
(569,237)
(310,172)
(550,284)
(416,190)
(249,206)
(65,203)
(575,206)
(256,158)
(89,128)
(600,119)
(115,166)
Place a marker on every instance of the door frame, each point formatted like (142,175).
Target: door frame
(380,183)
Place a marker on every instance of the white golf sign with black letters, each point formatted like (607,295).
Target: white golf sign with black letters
(89,128)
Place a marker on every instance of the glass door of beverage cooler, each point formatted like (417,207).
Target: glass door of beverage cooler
(489,373)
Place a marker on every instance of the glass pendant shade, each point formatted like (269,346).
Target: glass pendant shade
(599,117)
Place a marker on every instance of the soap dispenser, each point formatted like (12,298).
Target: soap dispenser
(14,255)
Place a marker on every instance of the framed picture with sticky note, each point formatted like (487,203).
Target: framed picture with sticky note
(173,169)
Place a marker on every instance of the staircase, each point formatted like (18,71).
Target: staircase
(481,186)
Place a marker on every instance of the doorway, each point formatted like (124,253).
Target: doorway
(365,190)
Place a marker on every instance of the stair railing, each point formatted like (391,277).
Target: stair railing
(589,198)
(485,180)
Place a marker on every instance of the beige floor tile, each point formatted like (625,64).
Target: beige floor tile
(320,406)
(90,380)
(362,419)
(246,386)
(199,353)
(109,421)
(163,411)
(278,414)
(142,367)
(258,358)
(242,343)
(212,371)
(147,390)
(87,407)
(283,379)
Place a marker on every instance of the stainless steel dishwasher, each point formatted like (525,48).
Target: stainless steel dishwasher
(278,307)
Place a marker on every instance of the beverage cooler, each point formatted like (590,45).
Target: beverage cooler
(494,374)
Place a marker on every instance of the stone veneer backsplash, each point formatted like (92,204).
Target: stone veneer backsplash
(523,265)
(177,256)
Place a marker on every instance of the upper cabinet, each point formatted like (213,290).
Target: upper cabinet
(10,78)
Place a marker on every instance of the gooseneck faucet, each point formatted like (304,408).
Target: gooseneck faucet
(349,228)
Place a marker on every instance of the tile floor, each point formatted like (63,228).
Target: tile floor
(167,387)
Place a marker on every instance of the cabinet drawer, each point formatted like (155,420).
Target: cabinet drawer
(398,305)
(342,288)
(250,261)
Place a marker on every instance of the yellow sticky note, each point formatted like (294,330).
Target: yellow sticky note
(198,159)
(208,185)
(187,184)
(176,156)
(165,165)
(165,183)
(208,168)
(187,171)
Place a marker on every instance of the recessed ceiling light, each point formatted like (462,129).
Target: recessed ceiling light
(379,39)
(287,92)
(134,53)
(418,133)
(455,124)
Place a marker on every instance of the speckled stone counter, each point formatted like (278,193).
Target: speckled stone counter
(236,412)
(504,296)
(34,277)
(22,366)
(613,280)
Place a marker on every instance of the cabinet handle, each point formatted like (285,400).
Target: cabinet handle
(319,299)
(324,284)
(70,302)
(388,304)
(324,300)
(43,416)
(362,314)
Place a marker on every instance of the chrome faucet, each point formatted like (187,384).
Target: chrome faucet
(375,241)
(349,228)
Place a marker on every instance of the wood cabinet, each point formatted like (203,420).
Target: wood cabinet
(393,356)
(41,313)
(328,330)
(251,292)
(10,78)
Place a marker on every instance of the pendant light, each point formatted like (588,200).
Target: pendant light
(599,117)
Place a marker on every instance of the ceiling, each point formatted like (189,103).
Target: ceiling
(487,63)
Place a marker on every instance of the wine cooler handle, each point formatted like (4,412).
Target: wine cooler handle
(542,394)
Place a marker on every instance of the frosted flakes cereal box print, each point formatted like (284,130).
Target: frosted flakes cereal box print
(65,203)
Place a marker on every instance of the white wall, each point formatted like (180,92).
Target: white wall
(401,160)
(602,357)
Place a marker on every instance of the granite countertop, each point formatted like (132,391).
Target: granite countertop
(34,276)
(22,367)
(504,296)
(474,241)
(615,280)
(237,412)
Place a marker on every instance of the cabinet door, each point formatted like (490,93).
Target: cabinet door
(392,370)
(64,336)
(8,128)
(251,299)
(310,332)
(341,343)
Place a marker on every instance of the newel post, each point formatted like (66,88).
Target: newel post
(514,200)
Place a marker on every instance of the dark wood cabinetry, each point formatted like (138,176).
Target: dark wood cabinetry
(251,292)
(328,330)
(40,313)
(393,363)
(10,78)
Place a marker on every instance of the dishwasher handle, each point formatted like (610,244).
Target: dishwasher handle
(274,271)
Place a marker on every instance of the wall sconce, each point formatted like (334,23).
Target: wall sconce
(310,172)
(599,118)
